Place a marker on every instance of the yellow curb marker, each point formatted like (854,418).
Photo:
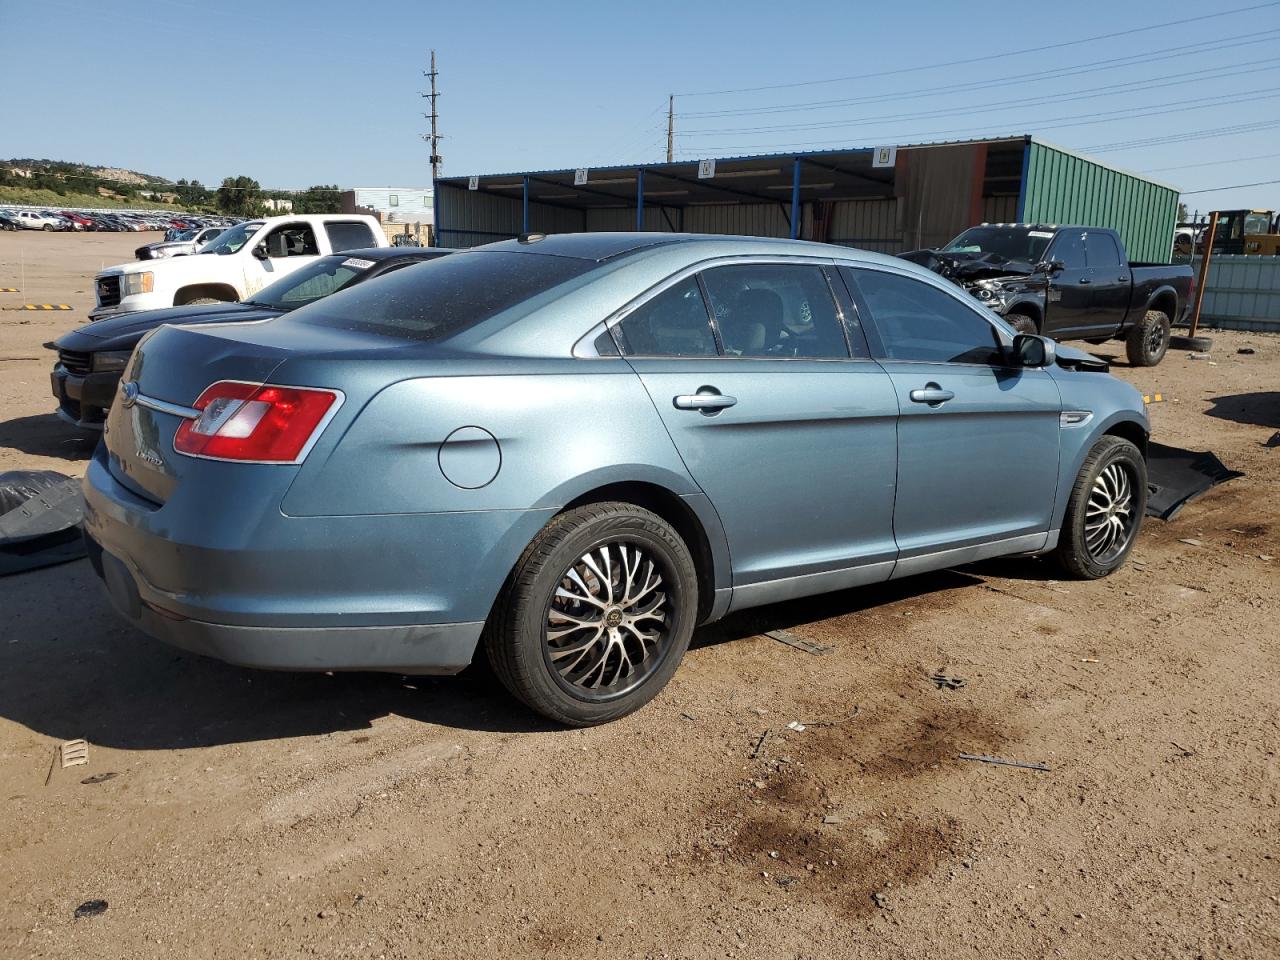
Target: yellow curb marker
(9,290)
(1153,398)
(40,306)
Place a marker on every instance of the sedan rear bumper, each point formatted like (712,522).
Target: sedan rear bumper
(423,649)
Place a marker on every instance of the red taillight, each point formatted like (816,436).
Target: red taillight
(258,422)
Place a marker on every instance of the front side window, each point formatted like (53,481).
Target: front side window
(917,321)
(1069,248)
(672,324)
(292,240)
(770,310)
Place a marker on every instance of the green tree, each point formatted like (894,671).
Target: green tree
(318,199)
(239,196)
(191,193)
(1182,212)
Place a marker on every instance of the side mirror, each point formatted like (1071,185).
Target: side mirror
(1051,267)
(260,251)
(1034,351)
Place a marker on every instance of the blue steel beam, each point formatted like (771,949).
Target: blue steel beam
(525,205)
(640,199)
(795,200)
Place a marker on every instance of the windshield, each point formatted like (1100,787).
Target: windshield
(233,239)
(1007,243)
(327,275)
(440,298)
(1257,223)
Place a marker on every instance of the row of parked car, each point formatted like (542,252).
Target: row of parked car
(65,221)
(561,453)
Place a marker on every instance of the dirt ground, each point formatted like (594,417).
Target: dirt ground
(253,814)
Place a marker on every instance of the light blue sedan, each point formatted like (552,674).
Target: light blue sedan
(572,450)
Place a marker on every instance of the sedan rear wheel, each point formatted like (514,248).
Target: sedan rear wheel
(596,616)
(1105,511)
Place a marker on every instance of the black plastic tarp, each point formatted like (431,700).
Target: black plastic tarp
(1175,477)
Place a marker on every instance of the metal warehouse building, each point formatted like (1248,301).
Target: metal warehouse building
(882,198)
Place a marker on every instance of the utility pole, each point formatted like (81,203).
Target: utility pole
(671,127)
(434,117)
(434,139)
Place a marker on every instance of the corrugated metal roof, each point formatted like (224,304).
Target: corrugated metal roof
(785,155)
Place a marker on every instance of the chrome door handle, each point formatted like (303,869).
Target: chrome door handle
(703,401)
(933,395)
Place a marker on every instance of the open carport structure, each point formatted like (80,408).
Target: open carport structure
(886,198)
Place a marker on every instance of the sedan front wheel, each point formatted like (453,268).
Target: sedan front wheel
(1105,511)
(596,616)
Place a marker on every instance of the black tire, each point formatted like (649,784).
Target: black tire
(1078,551)
(1147,342)
(1021,323)
(1194,344)
(48,228)
(517,639)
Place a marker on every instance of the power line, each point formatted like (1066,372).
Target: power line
(1213,163)
(1089,93)
(1111,63)
(1234,186)
(999,56)
(1078,120)
(1184,137)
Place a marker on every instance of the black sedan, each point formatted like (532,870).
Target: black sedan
(91,358)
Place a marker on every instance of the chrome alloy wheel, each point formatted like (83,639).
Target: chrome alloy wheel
(1109,520)
(608,622)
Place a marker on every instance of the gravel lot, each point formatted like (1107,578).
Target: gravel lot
(275,815)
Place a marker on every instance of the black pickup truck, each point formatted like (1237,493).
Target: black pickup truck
(1069,283)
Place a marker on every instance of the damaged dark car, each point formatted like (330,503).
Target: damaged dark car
(1069,283)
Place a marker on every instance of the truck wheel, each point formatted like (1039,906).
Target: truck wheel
(1021,323)
(596,615)
(1105,510)
(1148,340)
(48,228)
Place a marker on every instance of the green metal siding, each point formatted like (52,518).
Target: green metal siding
(1063,188)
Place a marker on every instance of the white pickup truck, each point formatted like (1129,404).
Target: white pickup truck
(235,266)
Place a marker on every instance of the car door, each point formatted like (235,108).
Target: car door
(790,435)
(977,439)
(1069,299)
(288,247)
(1112,281)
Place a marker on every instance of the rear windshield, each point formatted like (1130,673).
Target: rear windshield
(440,298)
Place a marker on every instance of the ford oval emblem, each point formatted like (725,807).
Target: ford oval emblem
(128,392)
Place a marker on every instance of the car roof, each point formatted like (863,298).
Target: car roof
(395,253)
(604,247)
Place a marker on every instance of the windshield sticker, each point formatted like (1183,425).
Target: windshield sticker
(355,263)
(1046,234)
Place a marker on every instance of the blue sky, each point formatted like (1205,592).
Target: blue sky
(312,91)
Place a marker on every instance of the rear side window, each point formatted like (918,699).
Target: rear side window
(440,298)
(775,310)
(672,324)
(349,236)
(917,321)
(1101,250)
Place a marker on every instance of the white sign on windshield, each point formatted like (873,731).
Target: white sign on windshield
(1045,234)
(355,263)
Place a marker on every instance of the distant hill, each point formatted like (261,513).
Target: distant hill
(29,168)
